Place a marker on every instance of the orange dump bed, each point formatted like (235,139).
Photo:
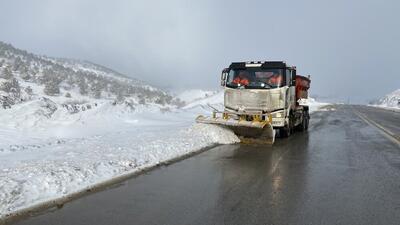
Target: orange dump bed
(302,86)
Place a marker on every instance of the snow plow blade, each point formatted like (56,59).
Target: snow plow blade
(258,132)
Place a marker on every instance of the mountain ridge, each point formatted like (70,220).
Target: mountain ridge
(25,76)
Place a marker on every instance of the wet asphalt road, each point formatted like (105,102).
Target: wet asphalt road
(343,171)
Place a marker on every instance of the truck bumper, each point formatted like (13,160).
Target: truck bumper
(278,119)
(278,122)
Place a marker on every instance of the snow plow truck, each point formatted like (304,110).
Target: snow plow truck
(262,98)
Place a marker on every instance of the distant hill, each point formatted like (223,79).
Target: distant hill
(25,76)
(391,100)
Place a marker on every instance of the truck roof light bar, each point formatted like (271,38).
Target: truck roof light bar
(253,64)
(262,64)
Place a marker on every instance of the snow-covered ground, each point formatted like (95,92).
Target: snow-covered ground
(44,158)
(193,95)
(390,101)
(316,106)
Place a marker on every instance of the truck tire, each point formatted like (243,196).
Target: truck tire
(307,116)
(289,128)
(284,132)
(303,125)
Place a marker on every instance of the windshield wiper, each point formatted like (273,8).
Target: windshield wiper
(267,84)
(233,85)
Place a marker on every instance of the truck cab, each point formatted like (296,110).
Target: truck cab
(266,88)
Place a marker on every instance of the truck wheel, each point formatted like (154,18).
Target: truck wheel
(307,120)
(286,131)
(289,128)
(291,124)
(303,126)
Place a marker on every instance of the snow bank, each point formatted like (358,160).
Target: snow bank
(216,100)
(390,101)
(35,173)
(315,105)
(47,158)
(47,152)
(189,96)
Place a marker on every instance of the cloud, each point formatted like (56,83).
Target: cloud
(349,48)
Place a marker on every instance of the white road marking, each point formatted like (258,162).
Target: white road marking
(387,133)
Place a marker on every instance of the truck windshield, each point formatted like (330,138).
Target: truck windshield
(256,78)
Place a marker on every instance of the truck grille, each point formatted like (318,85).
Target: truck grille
(253,100)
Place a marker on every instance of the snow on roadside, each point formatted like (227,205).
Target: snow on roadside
(57,158)
(315,105)
(33,174)
(390,101)
(46,158)
(190,96)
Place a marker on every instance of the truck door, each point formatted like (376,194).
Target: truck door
(291,92)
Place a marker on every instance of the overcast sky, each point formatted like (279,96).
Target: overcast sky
(350,48)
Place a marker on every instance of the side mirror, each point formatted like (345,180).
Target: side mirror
(294,74)
(224,75)
(293,82)
(223,83)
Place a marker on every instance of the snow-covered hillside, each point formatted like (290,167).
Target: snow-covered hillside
(25,77)
(391,100)
(203,101)
(190,96)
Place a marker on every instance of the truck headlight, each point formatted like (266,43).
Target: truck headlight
(277,115)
